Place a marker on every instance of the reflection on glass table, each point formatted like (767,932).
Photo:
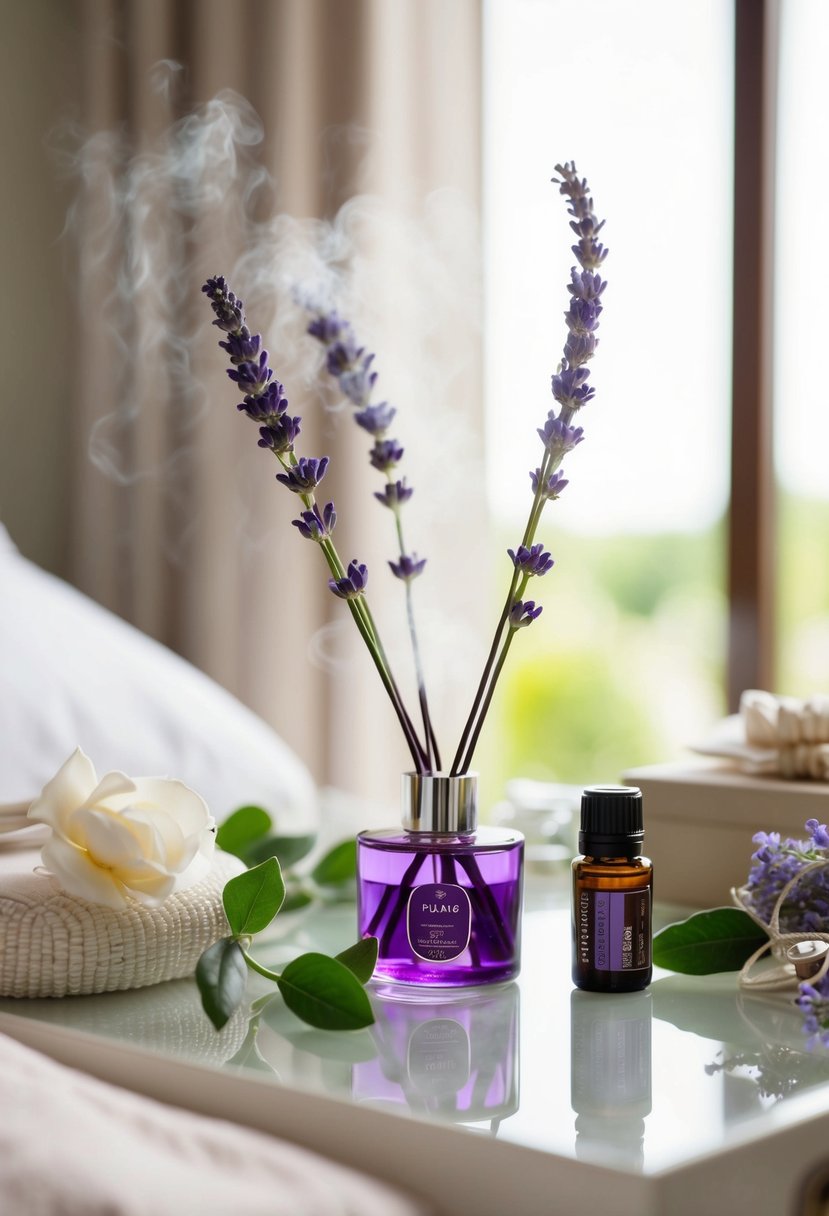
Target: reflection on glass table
(167,1018)
(452,1057)
(642,1081)
(610,1073)
(760,1049)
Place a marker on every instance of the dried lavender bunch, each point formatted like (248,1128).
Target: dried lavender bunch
(804,908)
(571,392)
(778,862)
(265,403)
(352,367)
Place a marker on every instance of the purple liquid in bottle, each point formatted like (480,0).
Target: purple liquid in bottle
(445,905)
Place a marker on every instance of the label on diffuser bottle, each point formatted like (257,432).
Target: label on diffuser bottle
(613,929)
(439,1060)
(439,921)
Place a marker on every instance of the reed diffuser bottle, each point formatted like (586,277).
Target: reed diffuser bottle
(612,893)
(442,895)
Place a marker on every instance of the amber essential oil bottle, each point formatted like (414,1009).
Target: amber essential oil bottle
(612,893)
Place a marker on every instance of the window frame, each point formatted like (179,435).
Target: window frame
(752,502)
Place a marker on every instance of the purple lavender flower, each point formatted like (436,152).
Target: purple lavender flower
(818,834)
(551,486)
(228,308)
(585,286)
(813,1001)
(352,584)
(357,382)
(582,316)
(243,347)
(531,561)
(775,864)
(589,251)
(342,353)
(393,494)
(408,567)
(570,387)
(376,419)
(305,475)
(265,401)
(569,384)
(385,454)
(252,377)
(523,613)
(349,363)
(280,436)
(326,327)
(266,406)
(559,438)
(579,348)
(314,525)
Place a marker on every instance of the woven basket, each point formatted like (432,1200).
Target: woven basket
(53,944)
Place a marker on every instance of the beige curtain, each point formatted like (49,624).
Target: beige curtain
(177,522)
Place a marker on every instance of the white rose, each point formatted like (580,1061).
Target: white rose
(122,838)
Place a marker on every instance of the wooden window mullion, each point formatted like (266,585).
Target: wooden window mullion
(751,517)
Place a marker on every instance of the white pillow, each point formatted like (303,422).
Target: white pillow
(73,675)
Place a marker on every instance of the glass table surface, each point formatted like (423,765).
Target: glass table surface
(638,1082)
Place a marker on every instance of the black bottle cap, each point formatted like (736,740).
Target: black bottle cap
(611,820)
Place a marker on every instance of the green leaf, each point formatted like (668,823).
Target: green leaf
(253,899)
(361,958)
(221,975)
(325,993)
(337,866)
(241,828)
(288,850)
(718,940)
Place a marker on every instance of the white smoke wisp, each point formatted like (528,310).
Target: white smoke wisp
(152,220)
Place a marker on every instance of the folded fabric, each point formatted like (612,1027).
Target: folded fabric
(773,735)
(71,1145)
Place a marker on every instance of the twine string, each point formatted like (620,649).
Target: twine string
(783,975)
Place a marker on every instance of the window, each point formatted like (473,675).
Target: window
(628,665)
(801,434)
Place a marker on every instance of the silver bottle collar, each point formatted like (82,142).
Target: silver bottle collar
(436,802)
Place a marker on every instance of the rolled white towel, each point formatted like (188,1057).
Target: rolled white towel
(55,944)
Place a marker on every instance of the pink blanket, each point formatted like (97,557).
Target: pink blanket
(71,1145)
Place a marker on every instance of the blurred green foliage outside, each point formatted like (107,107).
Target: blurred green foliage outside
(626,664)
(624,667)
(802,657)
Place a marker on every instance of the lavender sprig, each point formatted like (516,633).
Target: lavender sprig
(571,391)
(266,404)
(775,864)
(352,367)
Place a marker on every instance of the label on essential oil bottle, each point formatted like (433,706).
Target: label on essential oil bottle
(613,929)
(438,921)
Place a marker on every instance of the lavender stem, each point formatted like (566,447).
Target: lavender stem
(484,709)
